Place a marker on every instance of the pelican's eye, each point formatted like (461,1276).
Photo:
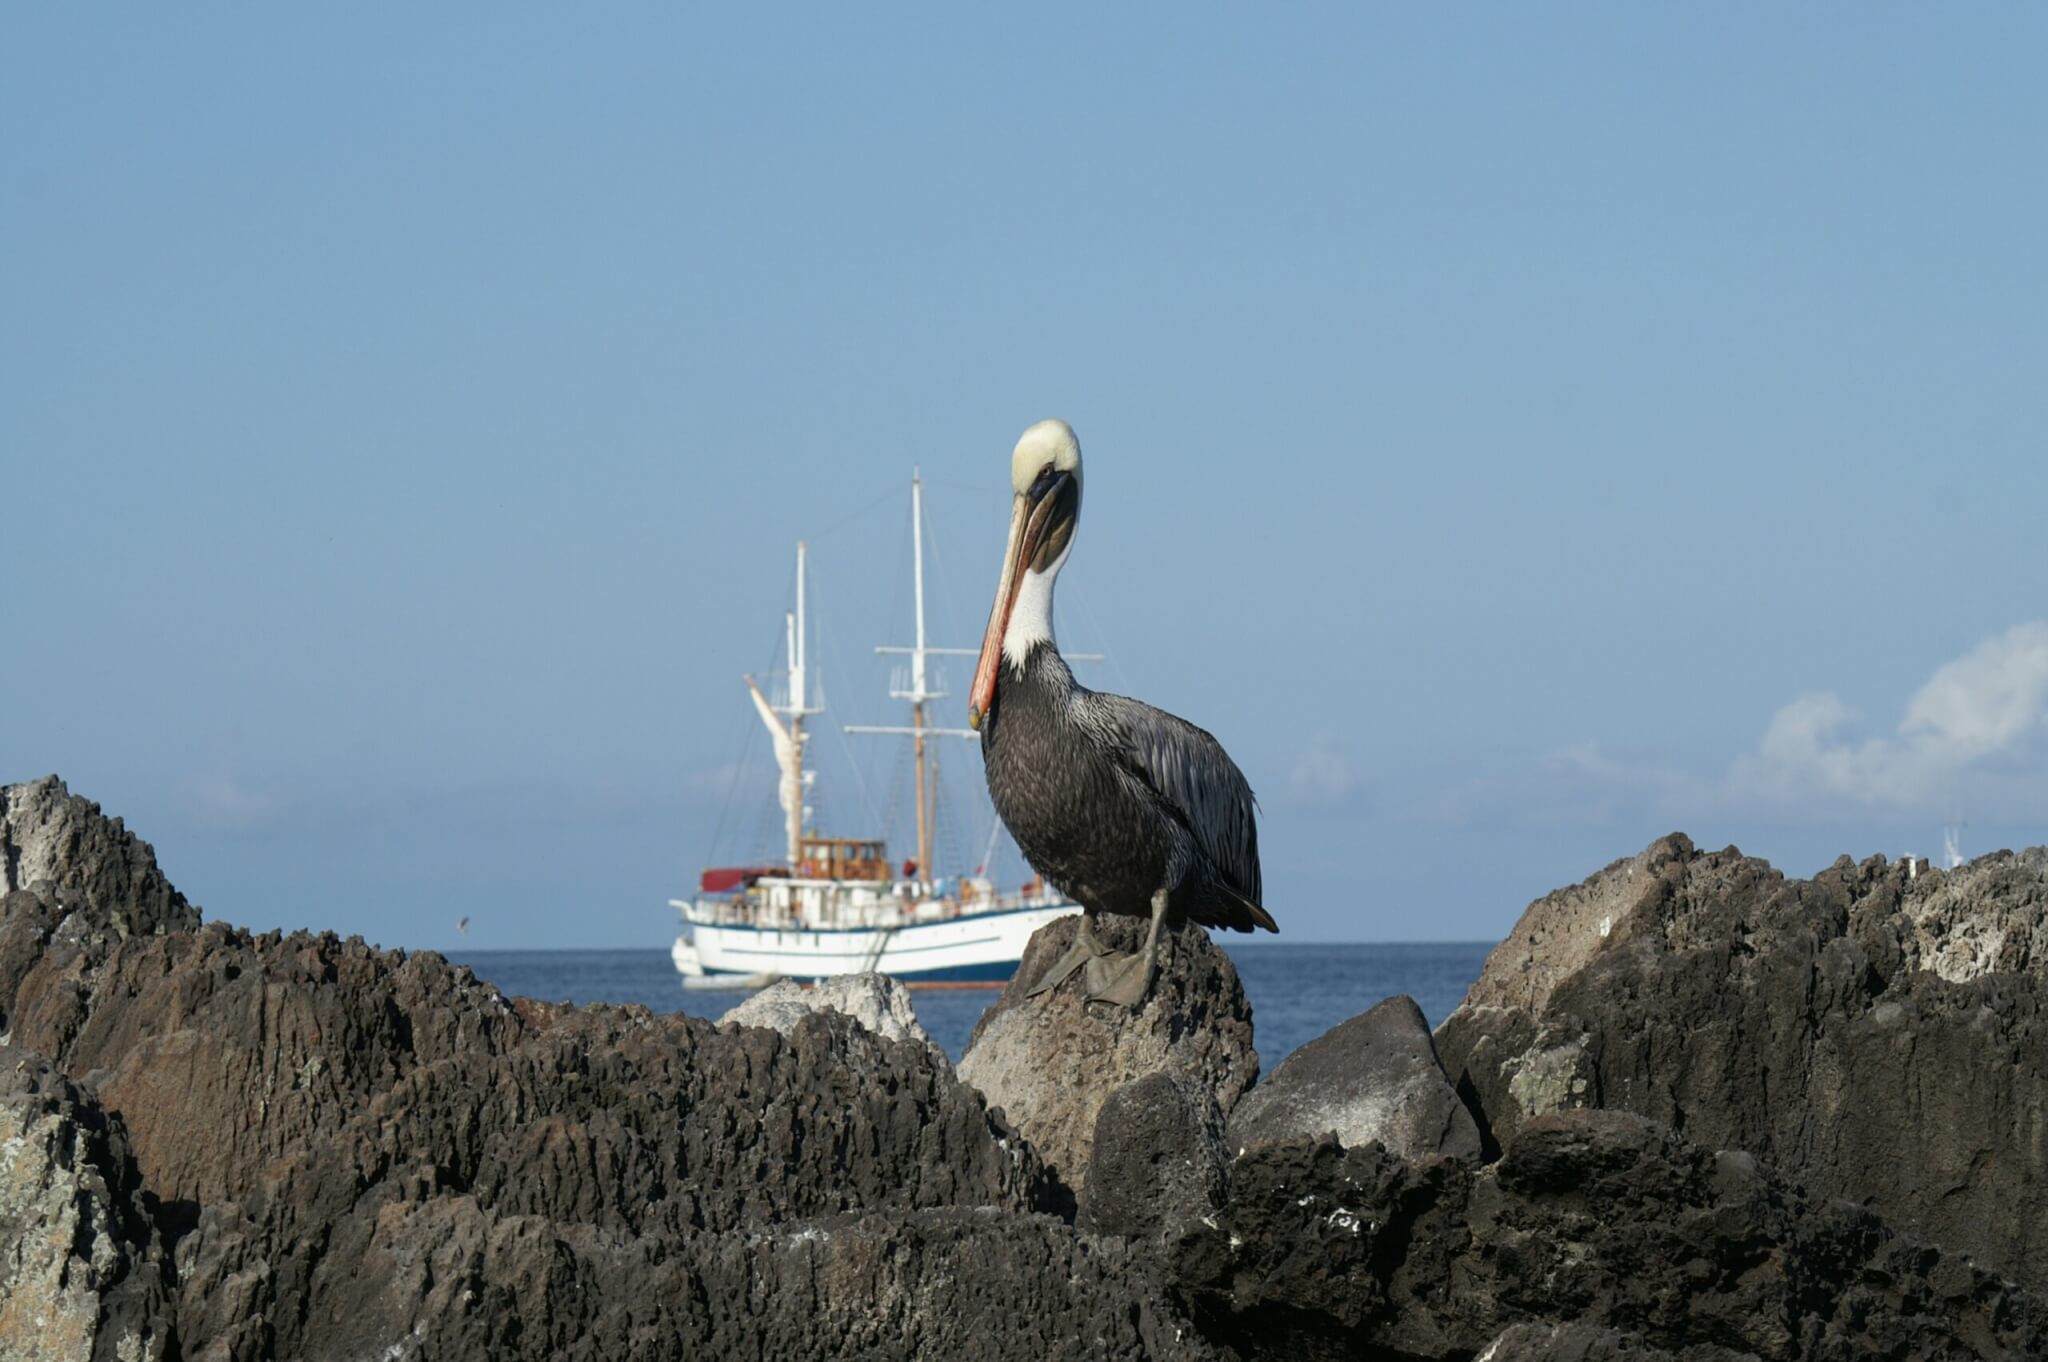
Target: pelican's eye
(1059,528)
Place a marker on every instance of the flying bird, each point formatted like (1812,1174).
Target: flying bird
(1124,807)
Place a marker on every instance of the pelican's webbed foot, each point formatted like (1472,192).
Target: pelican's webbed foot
(1122,979)
(1085,951)
(1127,979)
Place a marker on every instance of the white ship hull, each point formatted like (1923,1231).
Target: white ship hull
(973,948)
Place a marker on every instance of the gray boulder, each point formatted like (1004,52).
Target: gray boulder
(1873,1032)
(1050,1062)
(1158,1158)
(1374,1077)
(876,1001)
(1604,1221)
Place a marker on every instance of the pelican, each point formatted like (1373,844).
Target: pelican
(1126,808)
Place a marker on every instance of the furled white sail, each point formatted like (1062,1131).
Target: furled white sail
(788,790)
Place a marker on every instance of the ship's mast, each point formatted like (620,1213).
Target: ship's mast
(919,691)
(916,687)
(918,694)
(799,704)
(788,729)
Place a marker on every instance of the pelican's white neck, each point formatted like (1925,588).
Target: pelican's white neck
(1031,618)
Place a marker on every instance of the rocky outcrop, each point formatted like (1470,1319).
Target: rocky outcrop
(1873,1033)
(226,1147)
(1374,1078)
(1051,1062)
(876,1001)
(61,845)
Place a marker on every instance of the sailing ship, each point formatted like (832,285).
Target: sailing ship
(837,905)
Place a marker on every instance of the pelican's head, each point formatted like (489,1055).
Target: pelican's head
(1047,447)
(1045,474)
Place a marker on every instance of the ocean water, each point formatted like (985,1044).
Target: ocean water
(1298,990)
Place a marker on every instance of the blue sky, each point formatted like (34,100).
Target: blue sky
(1516,434)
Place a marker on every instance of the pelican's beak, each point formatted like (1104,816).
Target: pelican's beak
(1040,521)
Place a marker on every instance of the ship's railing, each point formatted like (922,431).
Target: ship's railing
(798,904)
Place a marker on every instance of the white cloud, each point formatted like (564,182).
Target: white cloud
(222,804)
(1986,709)
(719,780)
(1989,699)
(1321,774)
(1973,737)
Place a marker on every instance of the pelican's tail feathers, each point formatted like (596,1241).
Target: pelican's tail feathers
(1246,915)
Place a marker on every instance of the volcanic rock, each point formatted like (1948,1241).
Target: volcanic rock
(1158,1158)
(1375,1077)
(233,1147)
(1875,1032)
(1050,1062)
(876,1001)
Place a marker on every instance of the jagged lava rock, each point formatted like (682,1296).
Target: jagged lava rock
(1050,1062)
(447,1278)
(81,1273)
(876,1001)
(1875,1032)
(1605,1220)
(64,865)
(1157,1159)
(614,1142)
(1374,1077)
(224,1051)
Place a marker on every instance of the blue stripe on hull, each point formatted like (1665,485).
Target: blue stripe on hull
(1054,908)
(992,972)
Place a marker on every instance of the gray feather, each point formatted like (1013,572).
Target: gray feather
(1193,778)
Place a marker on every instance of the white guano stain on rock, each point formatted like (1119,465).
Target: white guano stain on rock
(49,1297)
(877,1001)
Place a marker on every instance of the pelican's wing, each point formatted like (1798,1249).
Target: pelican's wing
(1195,781)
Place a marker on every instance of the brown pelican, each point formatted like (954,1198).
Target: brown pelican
(1126,808)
